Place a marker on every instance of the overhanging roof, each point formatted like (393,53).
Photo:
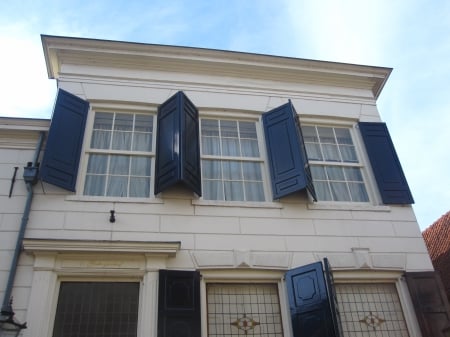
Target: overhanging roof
(60,50)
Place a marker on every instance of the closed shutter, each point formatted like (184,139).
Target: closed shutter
(65,140)
(178,145)
(179,304)
(386,166)
(309,303)
(430,302)
(288,163)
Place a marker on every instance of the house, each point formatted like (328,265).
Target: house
(437,239)
(194,192)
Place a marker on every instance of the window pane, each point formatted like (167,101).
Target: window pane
(330,152)
(123,122)
(100,139)
(140,166)
(234,190)
(230,147)
(143,123)
(213,190)
(117,186)
(318,173)
(97,164)
(252,171)
(94,185)
(348,154)
(358,192)
(247,130)
(322,190)
(232,170)
(326,135)
(309,134)
(139,187)
(211,146)
(211,169)
(119,165)
(353,174)
(335,173)
(142,142)
(121,141)
(339,191)
(103,120)
(343,136)
(228,129)
(313,151)
(210,127)
(254,191)
(249,148)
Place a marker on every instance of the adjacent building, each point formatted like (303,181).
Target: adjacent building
(194,192)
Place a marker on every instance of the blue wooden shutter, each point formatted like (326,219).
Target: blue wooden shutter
(288,162)
(309,302)
(385,164)
(179,304)
(64,142)
(177,145)
(332,298)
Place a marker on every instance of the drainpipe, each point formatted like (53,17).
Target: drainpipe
(30,176)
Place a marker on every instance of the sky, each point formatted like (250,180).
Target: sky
(410,36)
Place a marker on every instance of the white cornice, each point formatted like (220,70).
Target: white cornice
(115,54)
(107,247)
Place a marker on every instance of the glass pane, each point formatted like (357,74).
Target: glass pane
(211,146)
(94,185)
(143,123)
(234,190)
(254,191)
(97,163)
(142,142)
(322,191)
(326,135)
(343,136)
(210,127)
(140,166)
(318,173)
(309,134)
(231,170)
(123,122)
(247,130)
(121,141)
(348,153)
(249,148)
(211,169)
(230,147)
(139,187)
(330,152)
(228,129)
(119,165)
(353,174)
(117,186)
(212,190)
(103,121)
(252,171)
(339,191)
(100,139)
(358,192)
(313,151)
(335,173)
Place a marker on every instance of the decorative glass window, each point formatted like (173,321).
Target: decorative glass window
(231,161)
(335,167)
(244,309)
(120,155)
(100,309)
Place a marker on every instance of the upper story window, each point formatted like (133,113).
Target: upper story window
(120,155)
(335,167)
(231,161)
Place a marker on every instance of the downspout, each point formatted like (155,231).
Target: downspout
(30,176)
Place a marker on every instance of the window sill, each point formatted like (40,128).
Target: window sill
(348,207)
(114,199)
(247,204)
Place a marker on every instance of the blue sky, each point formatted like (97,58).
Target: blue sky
(411,36)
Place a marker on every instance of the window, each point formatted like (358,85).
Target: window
(120,155)
(243,309)
(231,161)
(335,167)
(101,309)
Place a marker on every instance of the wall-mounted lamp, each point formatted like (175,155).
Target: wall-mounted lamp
(9,326)
(112,217)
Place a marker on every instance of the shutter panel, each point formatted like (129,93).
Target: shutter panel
(65,140)
(385,164)
(335,316)
(177,145)
(286,152)
(179,304)
(308,302)
(430,303)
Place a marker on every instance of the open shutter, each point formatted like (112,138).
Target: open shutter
(430,303)
(335,316)
(385,164)
(65,140)
(289,168)
(309,302)
(179,304)
(178,145)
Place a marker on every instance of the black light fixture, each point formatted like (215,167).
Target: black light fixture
(112,217)
(9,326)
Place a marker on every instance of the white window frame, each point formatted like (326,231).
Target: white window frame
(86,151)
(262,159)
(363,165)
